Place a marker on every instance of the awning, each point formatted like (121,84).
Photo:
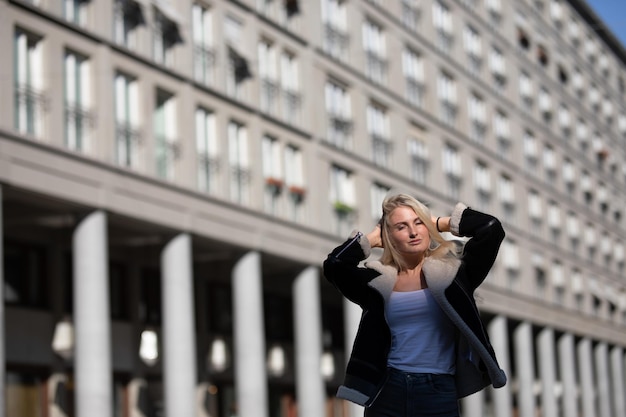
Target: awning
(169,13)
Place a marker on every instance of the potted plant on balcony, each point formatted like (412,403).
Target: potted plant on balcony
(275,185)
(342,209)
(297,192)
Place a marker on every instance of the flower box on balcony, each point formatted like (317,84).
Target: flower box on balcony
(274,184)
(342,208)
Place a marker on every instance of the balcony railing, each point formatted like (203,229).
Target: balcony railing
(336,42)
(78,123)
(204,63)
(30,106)
(291,106)
(128,140)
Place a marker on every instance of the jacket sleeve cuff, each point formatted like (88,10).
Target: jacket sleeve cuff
(455,218)
(364,242)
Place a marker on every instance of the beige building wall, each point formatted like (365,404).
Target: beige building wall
(562,264)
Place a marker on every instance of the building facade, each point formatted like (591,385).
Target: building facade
(173,173)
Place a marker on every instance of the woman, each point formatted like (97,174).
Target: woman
(421,344)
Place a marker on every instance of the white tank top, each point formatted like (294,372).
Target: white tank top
(422,335)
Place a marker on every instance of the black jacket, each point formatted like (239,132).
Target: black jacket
(452,283)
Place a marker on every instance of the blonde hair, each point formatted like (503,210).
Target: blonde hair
(439,247)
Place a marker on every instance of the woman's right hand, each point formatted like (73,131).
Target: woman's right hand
(375,237)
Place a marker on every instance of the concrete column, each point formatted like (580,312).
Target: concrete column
(179,342)
(474,405)
(2,332)
(351,317)
(567,365)
(93,372)
(602,380)
(523,339)
(547,371)
(499,335)
(587,388)
(617,374)
(249,333)
(308,342)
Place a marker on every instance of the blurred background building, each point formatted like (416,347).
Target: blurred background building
(173,173)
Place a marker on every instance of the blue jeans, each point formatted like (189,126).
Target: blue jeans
(408,394)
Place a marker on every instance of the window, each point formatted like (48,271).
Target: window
(446,90)
(335,21)
(494,9)
(378,192)
(545,104)
(418,152)
(558,280)
(594,97)
(339,112)
(75,11)
(78,117)
(586,186)
(165,34)
(535,211)
(294,179)
(482,184)
(442,20)
(453,170)
(526,91)
(477,114)
(497,66)
(280,11)
(603,198)
(573,230)
(506,193)
(290,86)
(30,101)
(510,257)
(238,69)
(343,199)
(413,67)
(166,146)
(556,12)
(541,281)
(207,150)
(203,49)
(410,14)
(578,83)
(554,221)
(272,174)
(374,47)
(268,76)
(607,110)
(378,129)
(127,18)
(591,240)
(25,281)
(127,110)
(565,121)
(549,164)
(569,176)
(502,131)
(531,152)
(582,134)
(238,160)
(473,48)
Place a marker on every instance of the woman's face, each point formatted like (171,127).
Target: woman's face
(408,233)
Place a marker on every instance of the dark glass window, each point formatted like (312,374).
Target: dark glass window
(25,275)
(150,300)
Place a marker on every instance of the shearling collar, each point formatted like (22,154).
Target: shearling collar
(439,274)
